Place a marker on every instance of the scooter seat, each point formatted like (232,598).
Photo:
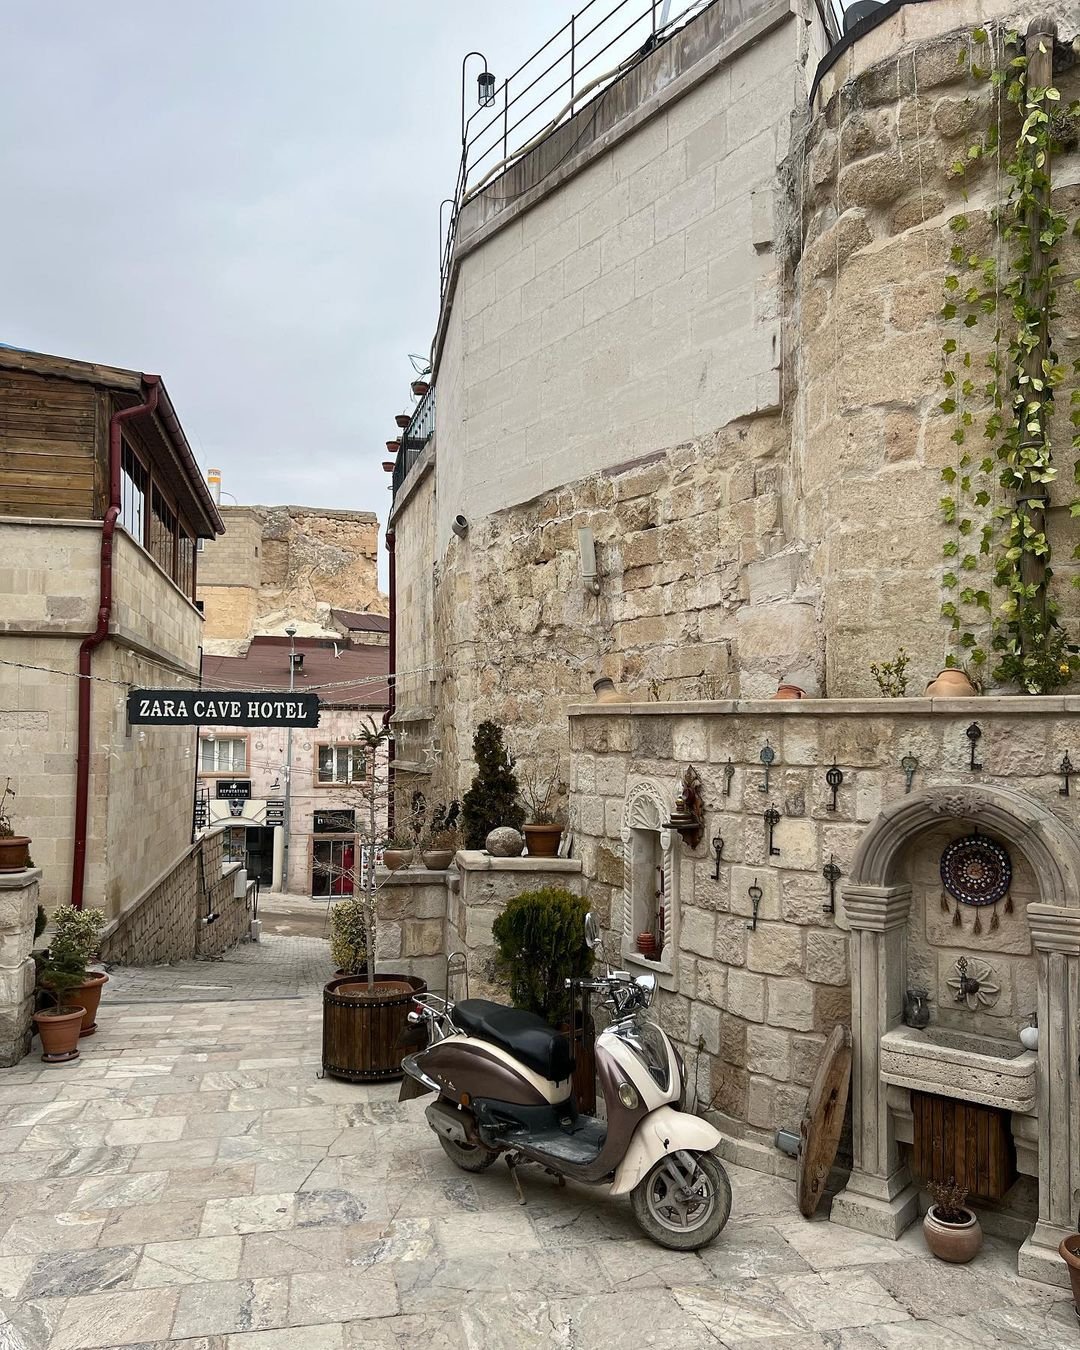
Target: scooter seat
(521,1034)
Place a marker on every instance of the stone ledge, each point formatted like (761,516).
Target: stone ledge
(476,860)
(411,876)
(992,705)
(16,881)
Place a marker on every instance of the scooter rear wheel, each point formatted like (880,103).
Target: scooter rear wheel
(682,1208)
(469,1157)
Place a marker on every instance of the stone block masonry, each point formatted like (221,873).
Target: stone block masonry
(18,909)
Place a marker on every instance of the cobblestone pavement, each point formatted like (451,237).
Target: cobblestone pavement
(275,968)
(192,1183)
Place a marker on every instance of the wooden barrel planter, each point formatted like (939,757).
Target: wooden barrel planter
(364,1038)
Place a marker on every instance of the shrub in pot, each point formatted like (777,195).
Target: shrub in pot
(952,1230)
(443,839)
(540,940)
(398,852)
(492,799)
(80,929)
(14,848)
(349,935)
(60,972)
(541,790)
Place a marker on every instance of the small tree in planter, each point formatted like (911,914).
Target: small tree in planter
(60,972)
(541,791)
(540,937)
(493,797)
(80,930)
(349,936)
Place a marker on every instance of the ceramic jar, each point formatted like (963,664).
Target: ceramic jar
(953,1242)
(950,683)
(605,691)
(916,1009)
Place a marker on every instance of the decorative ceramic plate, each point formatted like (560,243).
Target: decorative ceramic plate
(975,870)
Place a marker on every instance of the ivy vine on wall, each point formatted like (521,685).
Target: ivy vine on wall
(997,497)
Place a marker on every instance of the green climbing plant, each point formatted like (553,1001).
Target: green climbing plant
(995,505)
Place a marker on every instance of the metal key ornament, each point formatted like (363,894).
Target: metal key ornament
(768,754)
(718,853)
(974,735)
(834,777)
(1065,768)
(909,764)
(831,873)
(729,774)
(755,894)
(772,819)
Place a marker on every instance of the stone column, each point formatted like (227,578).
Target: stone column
(1055,930)
(18,908)
(879,1197)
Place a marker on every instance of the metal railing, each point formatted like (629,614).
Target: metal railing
(598,44)
(415,436)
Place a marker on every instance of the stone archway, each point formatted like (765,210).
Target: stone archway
(880,1196)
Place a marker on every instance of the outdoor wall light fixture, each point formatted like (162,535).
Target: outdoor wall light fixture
(460,526)
(485,89)
(587,552)
(688,818)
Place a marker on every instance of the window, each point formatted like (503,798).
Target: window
(235,845)
(162,533)
(133,483)
(340,764)
(333,867)
(650,901)
(227,754)
(185,562)
(334,822)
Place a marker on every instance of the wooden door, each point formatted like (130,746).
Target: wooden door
(959,1140)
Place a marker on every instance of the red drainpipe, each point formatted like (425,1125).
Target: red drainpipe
(98,636)
(392,679)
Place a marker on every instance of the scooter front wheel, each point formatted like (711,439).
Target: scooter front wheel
(683,1202)
(469,1157)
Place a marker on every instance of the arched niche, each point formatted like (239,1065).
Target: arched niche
(650,877)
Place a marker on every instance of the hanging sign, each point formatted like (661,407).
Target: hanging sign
(234,790)
(203,708)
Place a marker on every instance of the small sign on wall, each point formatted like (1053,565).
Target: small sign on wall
(199,708)
(234,790)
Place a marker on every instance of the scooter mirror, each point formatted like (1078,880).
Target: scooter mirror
(592,932)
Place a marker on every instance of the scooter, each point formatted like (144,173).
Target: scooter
(502,1079)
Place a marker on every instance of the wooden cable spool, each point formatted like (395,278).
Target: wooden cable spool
(823,1121)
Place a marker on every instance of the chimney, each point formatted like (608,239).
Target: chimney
(213,477)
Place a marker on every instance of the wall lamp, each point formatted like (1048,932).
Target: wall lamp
(688,817)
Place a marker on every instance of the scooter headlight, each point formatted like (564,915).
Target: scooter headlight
(646,987)
(628,1095)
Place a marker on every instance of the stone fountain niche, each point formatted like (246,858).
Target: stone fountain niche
(902,936)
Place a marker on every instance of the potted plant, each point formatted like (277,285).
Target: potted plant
(14,848)
(443,839)
(951,1229)
(80,929)
(60,971)
(540,944)
(364,1014)
(493,797)
(543,829)
(398,851)
(1070,1254)
(419,388)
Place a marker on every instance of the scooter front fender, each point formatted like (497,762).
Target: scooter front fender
(663,1131)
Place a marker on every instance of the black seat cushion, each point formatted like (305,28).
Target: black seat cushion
(521,1034)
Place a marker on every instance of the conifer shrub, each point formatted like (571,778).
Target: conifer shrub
(493,798)
(540,938)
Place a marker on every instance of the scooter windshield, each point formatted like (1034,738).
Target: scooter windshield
(647,1041)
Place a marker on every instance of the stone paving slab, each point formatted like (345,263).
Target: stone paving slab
(192,1183)
(274,968)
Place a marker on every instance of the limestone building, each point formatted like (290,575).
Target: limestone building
(718,317)
(101,510)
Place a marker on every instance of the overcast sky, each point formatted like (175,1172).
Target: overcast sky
(242,196)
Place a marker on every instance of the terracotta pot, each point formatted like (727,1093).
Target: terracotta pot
(437,859)
(955,1242)
(1070,1254)
(790,691)
(15,853)
(419,388)
(59,1032)
(542,841)
(403,420)
(393,446)
(89,995)
(950,683)
(605,691)
(646,945)
(394,858)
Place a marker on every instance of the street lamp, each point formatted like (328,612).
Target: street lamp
(485,89)
(290,633)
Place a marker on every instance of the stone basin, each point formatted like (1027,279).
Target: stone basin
(962,1064)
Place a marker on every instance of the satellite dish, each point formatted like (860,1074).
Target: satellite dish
(858,11)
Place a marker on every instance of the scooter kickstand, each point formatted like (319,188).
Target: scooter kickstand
(511,1163)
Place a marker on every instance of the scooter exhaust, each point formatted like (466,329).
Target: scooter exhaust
(446,1122)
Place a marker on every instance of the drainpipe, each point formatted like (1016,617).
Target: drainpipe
(391,680)
(98,636)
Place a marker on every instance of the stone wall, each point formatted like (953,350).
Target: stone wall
(751,1007)
(877,194)
(18,909)
(167,922)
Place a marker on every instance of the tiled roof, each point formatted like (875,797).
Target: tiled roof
(361,623)
(355,677)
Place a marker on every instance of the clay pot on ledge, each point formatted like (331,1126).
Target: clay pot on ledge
(790,691)
(59,1029)
(14,852)
(88,995)
(605,691)
(437,859)
(542,841)
(951,683)
(646,945)
(1070,1254)
(394,858)
(954,1242)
